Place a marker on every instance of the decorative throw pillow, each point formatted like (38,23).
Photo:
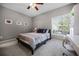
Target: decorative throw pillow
(41,30)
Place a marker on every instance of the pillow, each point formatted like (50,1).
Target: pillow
(41,30)
(47,31)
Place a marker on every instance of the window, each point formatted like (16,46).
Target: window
(61,24)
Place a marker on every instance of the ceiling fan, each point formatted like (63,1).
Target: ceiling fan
(34,5)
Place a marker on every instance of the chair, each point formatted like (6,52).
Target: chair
(67,45)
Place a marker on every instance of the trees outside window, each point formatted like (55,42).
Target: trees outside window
(63,25)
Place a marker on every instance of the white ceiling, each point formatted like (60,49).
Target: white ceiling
(22,8)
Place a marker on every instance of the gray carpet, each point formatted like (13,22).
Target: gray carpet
(15,50)
(52,48)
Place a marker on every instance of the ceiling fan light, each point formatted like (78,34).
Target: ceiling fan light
(33,5)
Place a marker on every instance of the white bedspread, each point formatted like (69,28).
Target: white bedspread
(33,38)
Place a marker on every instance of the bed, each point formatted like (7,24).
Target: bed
(34,40)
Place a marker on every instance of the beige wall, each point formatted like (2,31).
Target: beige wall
(76,21)
(0,21)
(44,20)
(12,30)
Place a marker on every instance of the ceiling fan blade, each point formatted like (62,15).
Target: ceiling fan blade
(36,8)
(28,7)
(40,3)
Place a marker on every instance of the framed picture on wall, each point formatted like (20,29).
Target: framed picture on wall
(18,23)
(24,23)
(8,21)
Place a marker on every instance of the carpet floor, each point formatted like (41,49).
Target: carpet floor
(52,48)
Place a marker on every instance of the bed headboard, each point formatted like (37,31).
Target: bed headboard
(49,32)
